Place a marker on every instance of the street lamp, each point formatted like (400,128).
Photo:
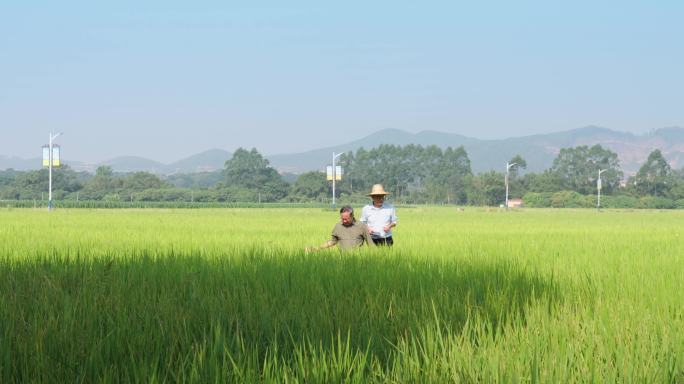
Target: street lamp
(335,173)
(508,167)
(598,188)
(50,160)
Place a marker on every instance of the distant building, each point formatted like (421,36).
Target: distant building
(515,203)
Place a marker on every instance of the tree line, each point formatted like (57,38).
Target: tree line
(414,174)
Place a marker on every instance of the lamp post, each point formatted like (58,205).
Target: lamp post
(334,176)
(598,188)
(52,138)
(508,168)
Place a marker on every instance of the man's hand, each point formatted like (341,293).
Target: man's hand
(327,244)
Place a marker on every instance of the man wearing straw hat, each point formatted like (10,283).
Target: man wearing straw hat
(380,217)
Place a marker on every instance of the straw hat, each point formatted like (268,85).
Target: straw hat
(378,190)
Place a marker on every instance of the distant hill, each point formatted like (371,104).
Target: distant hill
(319,158)
(207,161)
(20,164)
(134,164)
(538,150)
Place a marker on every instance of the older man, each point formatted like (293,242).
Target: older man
(348,233)
(379,216)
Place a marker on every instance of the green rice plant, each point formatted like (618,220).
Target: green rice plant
(228,295)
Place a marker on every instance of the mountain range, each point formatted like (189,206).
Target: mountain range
(538,150)
(206,161)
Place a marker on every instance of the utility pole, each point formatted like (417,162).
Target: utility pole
(50,159)
(598,187)
(508,167)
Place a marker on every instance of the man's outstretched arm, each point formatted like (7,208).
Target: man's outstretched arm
(327,244)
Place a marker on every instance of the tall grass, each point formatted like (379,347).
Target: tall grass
(229,296)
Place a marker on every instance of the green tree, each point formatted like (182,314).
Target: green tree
(140,181)
(104,183)
(363,169)
(348,183)
(655,177)
(449,173)
(519,162)
(377,165)
(677,188)
(547,181)
(7,177)
(251,171)
(310,186)
(486,189)
(412,172)
(34,184)
(31,184)
(578,167)
(196,180)
(516,186)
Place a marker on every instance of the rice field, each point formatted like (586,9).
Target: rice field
(229,295)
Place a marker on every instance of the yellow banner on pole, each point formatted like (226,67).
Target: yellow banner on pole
(46,155)
(55,156)
(56,162)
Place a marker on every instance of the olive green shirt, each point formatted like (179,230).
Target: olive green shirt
(352,236)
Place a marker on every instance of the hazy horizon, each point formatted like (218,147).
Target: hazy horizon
(68,159)
(168,80)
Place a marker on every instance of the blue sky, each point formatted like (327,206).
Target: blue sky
(165,80)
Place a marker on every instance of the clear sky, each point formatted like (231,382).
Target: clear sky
(167,79)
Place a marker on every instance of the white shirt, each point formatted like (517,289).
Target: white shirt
(378,218)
